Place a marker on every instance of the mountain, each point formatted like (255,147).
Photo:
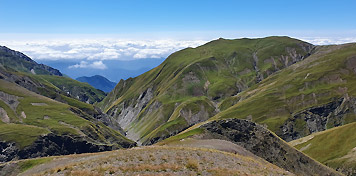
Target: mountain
(33,125)
(190,84)
(42,113)
(115,69)
(244,97)
(291,87)
(99,82)
(42,79)
(224,147)
(15,60)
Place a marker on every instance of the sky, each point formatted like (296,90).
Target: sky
(93,31)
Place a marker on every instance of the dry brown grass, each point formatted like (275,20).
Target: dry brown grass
(163,161)
(193,164)
(85,172)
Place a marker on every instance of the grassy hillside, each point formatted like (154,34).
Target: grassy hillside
(28,117)
(20,69)
(75,89)
(334,147)
(187,87)
(315,94)
(149,161)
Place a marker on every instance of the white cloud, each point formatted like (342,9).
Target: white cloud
(94,65)
(328,41)
(90,50)
(99,49)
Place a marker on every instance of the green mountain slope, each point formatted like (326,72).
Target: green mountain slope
(43,113)
(33,125)
(334,147)
(187,87)
(20,69)
(315,94)
(312,95)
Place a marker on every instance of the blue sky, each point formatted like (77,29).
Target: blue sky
(87,35)
(324,17)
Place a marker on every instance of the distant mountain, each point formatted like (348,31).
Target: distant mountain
(115,71)
(18,61)
(98,82)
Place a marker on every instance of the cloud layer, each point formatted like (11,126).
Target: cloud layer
(89,53)
(109,49)
(328,41)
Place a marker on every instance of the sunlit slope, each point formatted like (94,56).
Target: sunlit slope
(334,147)
(154,160)
(187,87)
(255,139)
(315,94)
(33,125)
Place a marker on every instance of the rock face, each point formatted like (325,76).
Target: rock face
(319,118)
(52,145)
(264,144)
(126,112)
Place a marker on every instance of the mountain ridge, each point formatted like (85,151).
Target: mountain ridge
(98,81)
(193,73)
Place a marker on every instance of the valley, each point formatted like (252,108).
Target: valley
(279,104)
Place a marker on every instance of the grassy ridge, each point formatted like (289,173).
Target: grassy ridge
(214,71)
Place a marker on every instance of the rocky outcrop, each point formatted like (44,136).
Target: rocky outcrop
(126,112)
(318,118)
(10,100)
(3,116)
(52,145)
(263,143)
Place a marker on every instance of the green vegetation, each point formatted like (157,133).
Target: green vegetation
(22,135)
(30,163)
(313,82)
(214,72)
(36,116)
(334,147)
(72,86)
